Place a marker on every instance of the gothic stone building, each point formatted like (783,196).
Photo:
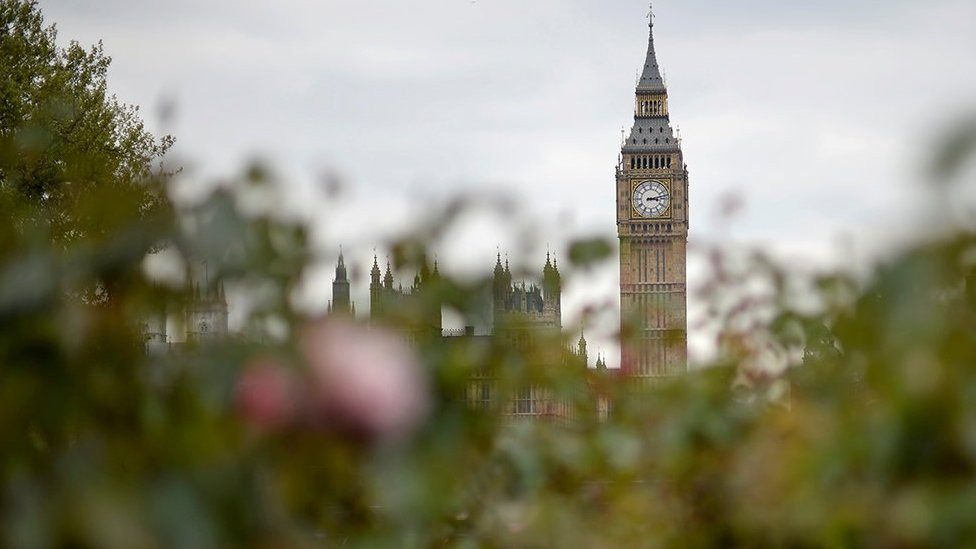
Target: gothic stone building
(203,316)
(651,195)
(522,314)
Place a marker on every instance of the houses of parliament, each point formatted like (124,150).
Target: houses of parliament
(651,196)
(651,212)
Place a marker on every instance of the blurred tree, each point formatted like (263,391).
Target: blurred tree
(63,138)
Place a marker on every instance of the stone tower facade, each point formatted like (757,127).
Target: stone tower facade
(203,316)
(652,226)
(206,312)
(520,311)
(417,308)
(340,289)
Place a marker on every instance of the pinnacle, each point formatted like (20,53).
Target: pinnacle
(651,79)
(340,271)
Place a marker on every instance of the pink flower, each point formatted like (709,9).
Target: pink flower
(363,381)
(267,395)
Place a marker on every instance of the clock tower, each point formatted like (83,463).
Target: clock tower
(652,226)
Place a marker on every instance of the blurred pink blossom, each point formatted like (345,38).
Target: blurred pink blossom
(267,395)
(363,381)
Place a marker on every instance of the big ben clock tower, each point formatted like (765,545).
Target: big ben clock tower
(652,225)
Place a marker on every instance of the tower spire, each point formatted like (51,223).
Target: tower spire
(650,78)
(340,287)
(374,273)
(340,273)
(388,276)
(652,130)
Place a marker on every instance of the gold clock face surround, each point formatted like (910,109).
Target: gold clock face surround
(651,198)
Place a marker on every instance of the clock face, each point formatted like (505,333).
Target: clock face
(651,199)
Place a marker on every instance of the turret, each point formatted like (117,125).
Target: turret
(205,314)
(551,289)
(498,286)
(388,277)
(374,274)
(551,282)
(340,289)
(581,349)
(375,289)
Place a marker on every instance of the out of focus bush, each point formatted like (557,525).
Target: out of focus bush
(860,430)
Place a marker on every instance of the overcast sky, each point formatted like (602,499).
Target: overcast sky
(814,114)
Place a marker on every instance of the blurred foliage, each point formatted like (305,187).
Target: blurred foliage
(864,434)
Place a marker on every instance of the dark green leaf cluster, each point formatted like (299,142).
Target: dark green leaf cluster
(66,143)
